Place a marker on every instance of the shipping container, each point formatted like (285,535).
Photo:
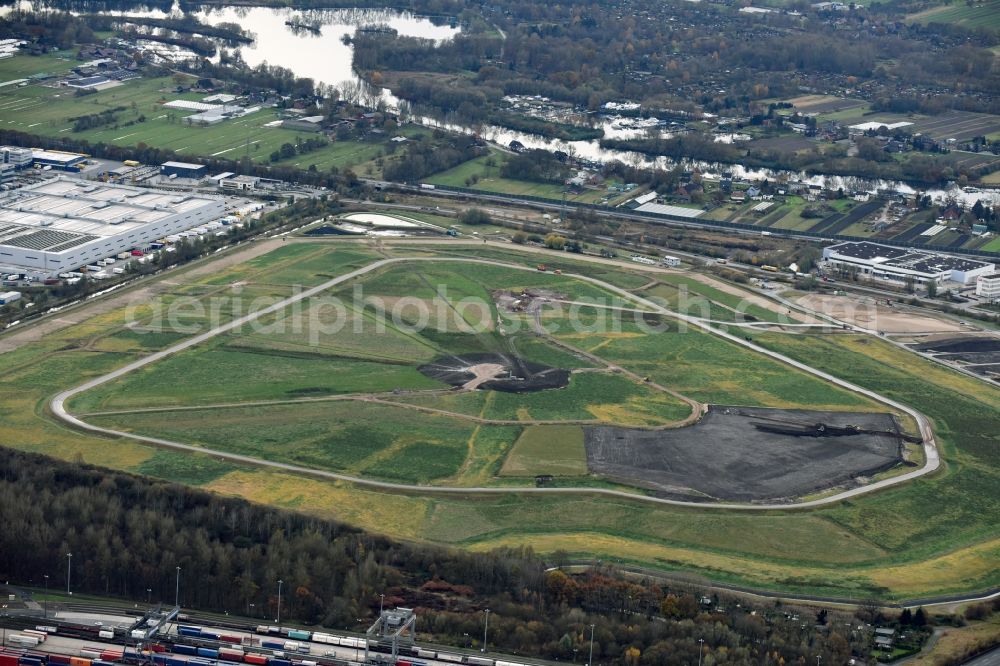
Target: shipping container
(28,660)
(8,660)
(106,633)
(90,653)
(40,635)
(189,631)
(22,640)
(299,635)
(111,655)
(272,644)
(227,638)
(210,635)
(61,659)
(185,649)
(279,662)
(256,659)
(208,652)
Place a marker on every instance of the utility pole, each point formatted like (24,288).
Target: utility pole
(381,599)
(45,605)
(590,660)
(701,648)
(280,583)
(69,570)
(177,589)
(486,628)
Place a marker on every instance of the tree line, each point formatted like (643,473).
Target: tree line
(129,533)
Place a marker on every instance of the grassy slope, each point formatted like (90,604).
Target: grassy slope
(933,535)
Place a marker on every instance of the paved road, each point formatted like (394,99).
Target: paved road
(991,658)
(58,406)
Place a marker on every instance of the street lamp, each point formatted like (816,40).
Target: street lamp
(45,602)
(149,595)
(486,628)
(590,660)
(280,583)
(381,598)
(177,589)
(69,570)
(701,648)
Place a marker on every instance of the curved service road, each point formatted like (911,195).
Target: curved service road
(58,407)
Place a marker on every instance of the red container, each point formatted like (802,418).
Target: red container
(258,659)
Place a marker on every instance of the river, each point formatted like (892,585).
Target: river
(326,59)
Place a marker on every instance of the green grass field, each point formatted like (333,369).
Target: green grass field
(555,450)
(934,535)
(978,14)
(490,180)
(48,111)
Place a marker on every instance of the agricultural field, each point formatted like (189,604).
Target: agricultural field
(358,404)
(974,15)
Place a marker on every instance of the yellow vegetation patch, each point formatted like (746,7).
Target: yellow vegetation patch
(962,569)
(398,515)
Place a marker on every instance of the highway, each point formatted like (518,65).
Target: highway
(57,407)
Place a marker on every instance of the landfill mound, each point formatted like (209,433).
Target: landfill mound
(495,372)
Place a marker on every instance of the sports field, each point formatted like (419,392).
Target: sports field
(366,411)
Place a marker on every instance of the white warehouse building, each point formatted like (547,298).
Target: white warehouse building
(62,224)
(894,264)
(988,287)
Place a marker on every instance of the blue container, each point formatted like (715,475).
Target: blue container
(189,631)
(185,649)
(208,652)
(273,645)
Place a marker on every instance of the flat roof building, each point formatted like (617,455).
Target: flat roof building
(61,224)
(19,157)
(988,287)
(184,170)
(239,183)
(58,159)
(894,264)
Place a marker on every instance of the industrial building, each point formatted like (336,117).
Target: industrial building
(184,170)
(899,265)
(20,158)
(57,159)
(62,224)
(239,183)
(988,287)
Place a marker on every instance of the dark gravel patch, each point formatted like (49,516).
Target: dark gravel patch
(522,376)
(960,345)
(724,457)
